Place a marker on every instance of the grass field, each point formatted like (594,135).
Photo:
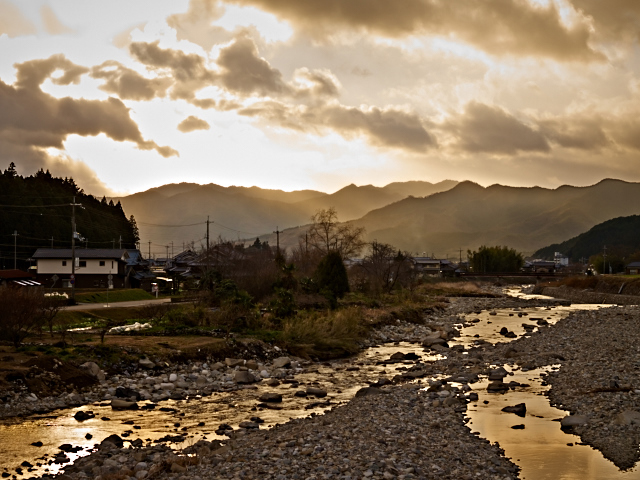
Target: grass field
(125,295)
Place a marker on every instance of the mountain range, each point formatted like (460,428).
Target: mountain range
(444,219)
(249,212)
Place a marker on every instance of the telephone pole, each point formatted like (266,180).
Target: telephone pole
(208,252)
(15,245)
(277,232)
(604,261)
(73,249)
(149,250)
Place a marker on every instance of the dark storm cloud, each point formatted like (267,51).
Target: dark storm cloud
(192,123)
(33,120)
(497,26)
(128,84)
(487,129)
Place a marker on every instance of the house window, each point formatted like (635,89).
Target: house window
(83,263)
(64,263)
(112,264)
(102,263)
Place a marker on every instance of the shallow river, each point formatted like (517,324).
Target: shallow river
(541,449)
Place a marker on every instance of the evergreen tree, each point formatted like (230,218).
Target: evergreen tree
(331,277)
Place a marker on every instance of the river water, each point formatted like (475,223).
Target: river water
(541,449)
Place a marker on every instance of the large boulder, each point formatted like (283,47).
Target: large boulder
(243,376)
(281,362)
(94,370)
(270,397)
(573,421)
(118,404)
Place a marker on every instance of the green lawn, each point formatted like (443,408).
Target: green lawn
(125,295)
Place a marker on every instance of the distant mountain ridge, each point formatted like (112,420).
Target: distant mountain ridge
(247,212)
(620,235)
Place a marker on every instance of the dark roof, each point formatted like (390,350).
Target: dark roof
(633,264)
(116,253)
(15,274)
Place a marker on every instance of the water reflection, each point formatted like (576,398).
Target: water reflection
(541,449)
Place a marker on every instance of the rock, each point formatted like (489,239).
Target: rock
(363,392)
(177,468)
(243,376)
(82,416)
(518,427)
(497,387)
(497,373)
(573,421)
(300,393)
(251,365)
(272,382)
(397,356)
(281,362)
(249,425)
(519,409)
(117,404)
(201,381)
(219,366)
(126,392)
(318,392)
(433,339)
(173,378)
(233,362)
(146,363)
(628,417)
(270,397)
(114,440)
(37,444)
(94,370)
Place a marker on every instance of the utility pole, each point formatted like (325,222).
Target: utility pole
(460,255)
(149,250)
(120,242)
(604,260)
(73,249)
(208,252)
(172,249)
(15,245)
(277,232)
(113,243)
(51,242)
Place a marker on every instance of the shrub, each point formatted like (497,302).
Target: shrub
(331,277)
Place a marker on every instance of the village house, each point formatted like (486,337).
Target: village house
(94,267)
(17,278)
(632,268)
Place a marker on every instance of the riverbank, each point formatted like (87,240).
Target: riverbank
(400,430)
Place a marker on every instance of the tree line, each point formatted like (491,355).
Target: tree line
(38,209)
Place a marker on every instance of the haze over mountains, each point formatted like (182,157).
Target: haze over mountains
(420,217)
(242,212)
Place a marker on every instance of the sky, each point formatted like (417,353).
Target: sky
(317,94)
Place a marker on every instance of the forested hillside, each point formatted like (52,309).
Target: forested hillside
(39,209)
(620,235)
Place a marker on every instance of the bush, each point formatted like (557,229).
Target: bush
(20,313)
(331,278)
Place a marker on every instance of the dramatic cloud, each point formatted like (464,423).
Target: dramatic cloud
(492,130)
(381,127)
(13,22)
(192,123)
(51,22)
(129,84)
(581,133)
(500,27)
(613,18)
(33,121)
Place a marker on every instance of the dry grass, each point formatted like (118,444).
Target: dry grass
(324,334)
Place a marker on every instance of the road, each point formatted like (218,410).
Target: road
(100,306)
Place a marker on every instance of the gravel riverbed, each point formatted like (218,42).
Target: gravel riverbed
(404,430)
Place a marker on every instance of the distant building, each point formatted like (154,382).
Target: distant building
(633,268)
(93,267)
(540,266)
(560,259)
(17,278)
(433,266)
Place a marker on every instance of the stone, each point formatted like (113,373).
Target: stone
(249,425)
(251,365)
(177,468)
(497,374)
(146,363)
(281,362)
(233,362)
(270,397)
(497,387)
(317,392)
(628,417)
(573,421)
(173,378)
(81,416)
(94,370)
(520,409)
(363,392)
(218,366)
(272,382)
(243,376)
(118,404)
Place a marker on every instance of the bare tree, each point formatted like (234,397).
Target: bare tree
(327,234)
(386,267)
(51,305)
(20,313)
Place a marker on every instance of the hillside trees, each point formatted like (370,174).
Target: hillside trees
(495,260)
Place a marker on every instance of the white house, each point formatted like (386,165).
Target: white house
(93,267)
